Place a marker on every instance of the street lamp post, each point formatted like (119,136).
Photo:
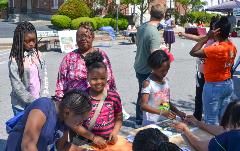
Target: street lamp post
(117,19)
(118,3)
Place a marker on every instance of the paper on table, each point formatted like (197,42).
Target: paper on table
(121,145)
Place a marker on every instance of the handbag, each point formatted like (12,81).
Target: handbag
(12,122)
(79,140)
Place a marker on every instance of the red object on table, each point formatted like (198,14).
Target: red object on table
(234,34)
(196,31)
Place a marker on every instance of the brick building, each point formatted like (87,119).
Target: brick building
(33,8)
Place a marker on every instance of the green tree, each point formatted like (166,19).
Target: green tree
(143,6)
(3,4)
(195,5)
(74,9)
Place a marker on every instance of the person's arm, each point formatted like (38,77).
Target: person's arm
(154,41)
(118,124)
(178,112)
(148,108)
(173,23)
(17,85)
(111,79)
(201,145)
(63,145)
(212,129)
(44,87)
(36,120)
(197,50)
(61,79)
(97,140)
(191,36)
(118,115)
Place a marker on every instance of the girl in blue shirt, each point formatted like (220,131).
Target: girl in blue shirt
(227,135)
(45,123)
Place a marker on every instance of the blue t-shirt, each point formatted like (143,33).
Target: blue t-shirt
(228,141)
(51,130)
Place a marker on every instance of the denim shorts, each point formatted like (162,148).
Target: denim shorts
(216,97)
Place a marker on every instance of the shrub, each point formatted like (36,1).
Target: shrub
(61,21)
(202,16)
(99,22)
(106,21)
(76,22)
(74,9)
(123,24)
(3,4)
(102,22)
(114,16)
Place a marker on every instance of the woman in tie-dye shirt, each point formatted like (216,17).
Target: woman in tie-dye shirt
(72,72)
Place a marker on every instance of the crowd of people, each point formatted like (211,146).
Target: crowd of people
(87,108)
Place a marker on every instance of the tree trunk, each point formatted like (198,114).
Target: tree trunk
(141,8)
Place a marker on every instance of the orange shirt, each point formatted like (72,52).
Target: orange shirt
(219,61)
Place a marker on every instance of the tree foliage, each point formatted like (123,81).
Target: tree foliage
(194,5)
(74,9)
(3,4)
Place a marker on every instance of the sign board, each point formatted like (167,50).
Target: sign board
(45,34)
(236,11)
(67,39)
(118,2)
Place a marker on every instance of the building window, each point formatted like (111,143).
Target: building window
(37,3)
(55,4)
(170,4)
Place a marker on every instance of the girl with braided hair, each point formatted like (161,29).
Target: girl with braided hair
(27,71)
(155,101)
(44,126)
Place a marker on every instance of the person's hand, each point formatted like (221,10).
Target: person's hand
(180,34)
(212,33)
(182,115)
(99,142)
(113,138)
(180,126)
(168,114)
(192,120)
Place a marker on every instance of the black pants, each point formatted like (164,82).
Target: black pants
(198,98)
(132,35)
(139,113)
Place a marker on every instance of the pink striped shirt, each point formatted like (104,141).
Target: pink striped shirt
(105,122)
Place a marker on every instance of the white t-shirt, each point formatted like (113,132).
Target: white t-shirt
(159,96)
(200,61)
(168,26)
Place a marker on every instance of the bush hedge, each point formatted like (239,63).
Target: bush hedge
(3,4)
(76,22)
(122,23)
(194,17)
(99,22)
(74,9)
(61,21)
(202,16)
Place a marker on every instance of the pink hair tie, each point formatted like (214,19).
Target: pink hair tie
(170,55)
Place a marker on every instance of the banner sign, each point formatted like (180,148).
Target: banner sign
(67,39)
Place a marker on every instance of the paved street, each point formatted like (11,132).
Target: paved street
(7,28)
(122,55)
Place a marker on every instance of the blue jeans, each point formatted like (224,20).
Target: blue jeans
(139,113)
(216,97)
(16,110)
